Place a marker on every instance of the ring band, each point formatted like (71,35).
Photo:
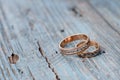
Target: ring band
(89,54)
(69,51)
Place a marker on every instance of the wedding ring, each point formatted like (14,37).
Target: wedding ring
(69,51)
(86,54)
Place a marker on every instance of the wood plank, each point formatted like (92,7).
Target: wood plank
(110,12)
(107,37)
(30,60)
(27,23)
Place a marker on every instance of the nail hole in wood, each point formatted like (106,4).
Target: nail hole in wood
(73,9)
(56,52)
(13,58)
(103,51)
(12,54)
(20,71)
(76,12)
(62,30)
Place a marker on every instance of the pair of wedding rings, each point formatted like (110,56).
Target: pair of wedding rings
(81,48)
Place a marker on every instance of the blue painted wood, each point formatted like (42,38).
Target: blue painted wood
(32,30)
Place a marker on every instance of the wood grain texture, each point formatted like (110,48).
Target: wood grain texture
(33,29)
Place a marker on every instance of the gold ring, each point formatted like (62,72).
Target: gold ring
(85,54)
(68,51)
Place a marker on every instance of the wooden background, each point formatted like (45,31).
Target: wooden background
(32,29)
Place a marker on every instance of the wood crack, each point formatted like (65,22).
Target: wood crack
(49,64)
(31,73)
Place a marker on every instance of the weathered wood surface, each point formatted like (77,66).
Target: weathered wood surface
(32,30)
